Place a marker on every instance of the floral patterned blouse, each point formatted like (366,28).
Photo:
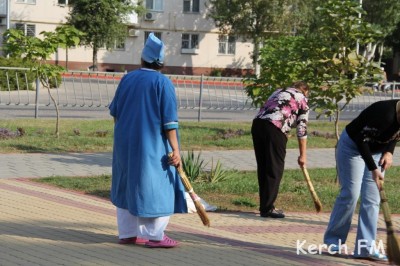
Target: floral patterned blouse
(286,109)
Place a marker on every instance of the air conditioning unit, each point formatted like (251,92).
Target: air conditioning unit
(3,21)
(150,16)
(133,33)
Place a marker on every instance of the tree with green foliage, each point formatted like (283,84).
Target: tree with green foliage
(393,41)
(385,15)
(343,72)
(302,16)
(251,19)
(36,51)
(283,60)
(104,22)
(325,58)
(69,37)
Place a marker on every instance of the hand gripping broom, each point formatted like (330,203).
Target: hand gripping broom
(196,199)
(392,242)
(317,202)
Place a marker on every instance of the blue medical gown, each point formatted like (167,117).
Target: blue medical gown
(144,106)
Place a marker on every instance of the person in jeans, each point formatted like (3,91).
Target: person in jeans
(364,151)
(146,188)
(284,109)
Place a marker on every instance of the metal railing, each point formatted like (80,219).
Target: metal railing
(14,88)
(97,89)
(387,91)
(80,89)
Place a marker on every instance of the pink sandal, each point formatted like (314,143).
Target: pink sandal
(133,240)
(166,242)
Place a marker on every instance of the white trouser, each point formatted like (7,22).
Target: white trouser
(148,228)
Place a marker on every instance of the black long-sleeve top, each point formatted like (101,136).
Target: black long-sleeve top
(375,130)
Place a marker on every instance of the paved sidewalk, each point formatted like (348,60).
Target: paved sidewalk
(86,164)
(43,225)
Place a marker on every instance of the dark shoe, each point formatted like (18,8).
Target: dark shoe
(274,213)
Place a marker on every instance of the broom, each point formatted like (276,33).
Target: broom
(392,242)
(317,202)
(196,199)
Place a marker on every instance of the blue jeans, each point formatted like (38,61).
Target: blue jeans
(354,177)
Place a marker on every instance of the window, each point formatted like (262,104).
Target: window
(227,44)
(27,29)
(191,6)
(146,35)
(190,41)
(155,5)
(119,45)
(26,1)
(65,2)
(30,30)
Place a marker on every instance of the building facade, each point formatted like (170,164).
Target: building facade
(194,45)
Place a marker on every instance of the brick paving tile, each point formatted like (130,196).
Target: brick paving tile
(43,225)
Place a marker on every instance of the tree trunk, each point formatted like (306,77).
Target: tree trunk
(337,140)
(337,125)
(57,132)
(46,83)
(94,58)
(66,58)
(256,54)
(380,53)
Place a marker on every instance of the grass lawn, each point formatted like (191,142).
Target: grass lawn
(240,191)
(97,136)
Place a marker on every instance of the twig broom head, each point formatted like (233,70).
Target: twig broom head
(318,205)
(392,242)
(196,199)
(201,212)
(393,248)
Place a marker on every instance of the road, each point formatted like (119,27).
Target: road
(22,111)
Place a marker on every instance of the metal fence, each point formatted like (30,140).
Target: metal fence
(96,89)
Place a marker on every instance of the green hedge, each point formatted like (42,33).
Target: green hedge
(14,75)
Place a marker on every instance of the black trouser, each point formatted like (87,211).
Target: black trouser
(270,150)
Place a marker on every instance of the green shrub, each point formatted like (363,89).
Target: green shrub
(216,72)
(14,79)
(192,165)
(22,79)
(55,82)
(216,173)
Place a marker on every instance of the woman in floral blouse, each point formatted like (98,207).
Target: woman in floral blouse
(284,109)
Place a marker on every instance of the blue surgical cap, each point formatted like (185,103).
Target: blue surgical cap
(153,50)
